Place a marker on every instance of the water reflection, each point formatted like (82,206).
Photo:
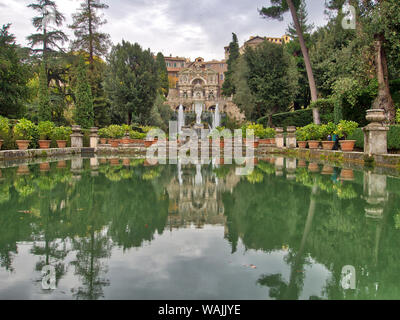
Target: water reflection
(283,232)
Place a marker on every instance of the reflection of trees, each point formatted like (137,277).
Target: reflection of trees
(276,214)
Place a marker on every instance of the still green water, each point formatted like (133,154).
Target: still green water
(128,230)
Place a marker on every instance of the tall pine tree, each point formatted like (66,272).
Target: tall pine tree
(86,27)
(83,113)
(228,88)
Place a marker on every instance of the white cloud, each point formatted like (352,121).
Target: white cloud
(177,27)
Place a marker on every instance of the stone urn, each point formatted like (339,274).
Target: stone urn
(23,144)
(376,115)
(44,144)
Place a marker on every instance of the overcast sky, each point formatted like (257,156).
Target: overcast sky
(179,27)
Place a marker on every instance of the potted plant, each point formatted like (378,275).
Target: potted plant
(116,133)
(61,135)
(301,138)
(4,129)
(126,138)
(328,130)
(45,129)
(268,136)
(313,135)
(103,135)
(23,133)
(257,130)
(137,137)
(345,129)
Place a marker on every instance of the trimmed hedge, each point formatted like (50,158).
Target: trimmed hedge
(393,138)
(301,118)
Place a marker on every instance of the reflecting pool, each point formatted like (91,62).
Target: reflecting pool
(126,229)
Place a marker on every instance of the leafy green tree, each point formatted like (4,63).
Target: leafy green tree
(228,87)
(83,113)
(14,76)
(276,11)
(161,113)
(162,74)
(131,83)
(272,78)
(86,25)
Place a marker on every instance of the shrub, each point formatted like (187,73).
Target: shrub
(268,133)
(358,136)
(24,130)
(137,135)
(346,128)
(115,131)
(45,129)
(398,116)
(61,133)
(327,130)
(312,132)
(301,134)
(394,138)
(324,105)
(4,128)
(103,133)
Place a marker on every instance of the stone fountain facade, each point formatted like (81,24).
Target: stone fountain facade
(199,84)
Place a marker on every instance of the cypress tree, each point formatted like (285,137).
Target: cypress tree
(162,74)
(44,99)
(228,88)
(84,114)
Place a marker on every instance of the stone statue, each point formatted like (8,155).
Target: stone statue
(199,111)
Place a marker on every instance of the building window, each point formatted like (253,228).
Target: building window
(222,77)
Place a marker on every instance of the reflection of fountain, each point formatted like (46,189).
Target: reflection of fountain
(199,178)
(217,118)
(181,119)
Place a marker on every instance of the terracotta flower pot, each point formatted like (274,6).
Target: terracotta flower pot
(313,167)
(148,143)
(114,143)
(273,141)
(126,162)
(347,145)
(302,144)
(327,170)
(23,144)
(312,144)
(328,145)
(264,141)
(61,164)
(103,140)
(347,174)
(114,162)
(103,161)
(44,167)
(125,141)
(1,143)
(302,164)
(23,170)
(62,144)
(44,144)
